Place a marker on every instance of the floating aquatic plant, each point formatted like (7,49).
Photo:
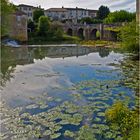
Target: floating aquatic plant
(56,135)
(69,134)
(85,133)
(32,106)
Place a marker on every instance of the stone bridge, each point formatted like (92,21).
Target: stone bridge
(89,31)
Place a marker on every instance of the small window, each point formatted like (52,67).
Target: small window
(25,8)
(85,12)
(18,18)
(63,16)
(30,14)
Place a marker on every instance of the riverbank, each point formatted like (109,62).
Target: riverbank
(100,43)
(84,43)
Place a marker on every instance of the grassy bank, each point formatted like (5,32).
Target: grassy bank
(65,39)
(100,43)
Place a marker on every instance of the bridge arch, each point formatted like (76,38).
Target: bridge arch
(80,33)
(70,32)
(93,34)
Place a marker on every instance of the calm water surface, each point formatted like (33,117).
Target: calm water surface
(68,80)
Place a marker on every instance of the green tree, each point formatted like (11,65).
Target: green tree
(120,16)
(56,30)
(43,26)
(58,34)
(6,9)
(129,35)
(103,12)
(37,14)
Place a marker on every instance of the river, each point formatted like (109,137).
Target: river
(62,92)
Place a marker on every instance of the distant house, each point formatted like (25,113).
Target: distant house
(56,13)
(92,13)
(28,9)
(72,14)
(18,26)
(80,13)
(77,13)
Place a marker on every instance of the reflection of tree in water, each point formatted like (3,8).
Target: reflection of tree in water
(7,66)
(103,52)
(58,51)
(10,57)
(38,53)
(6,76)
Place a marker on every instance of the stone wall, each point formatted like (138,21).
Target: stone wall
(18,26)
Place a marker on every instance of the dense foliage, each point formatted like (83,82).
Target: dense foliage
(120,16)
(103,12)
(129,35)
(37,14)
(6,9)
(122,118)
(46,31)
(56,31)
(43,26)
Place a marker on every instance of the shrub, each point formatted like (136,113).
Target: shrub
(125,119)
(129,35)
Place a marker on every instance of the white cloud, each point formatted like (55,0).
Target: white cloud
(92,4)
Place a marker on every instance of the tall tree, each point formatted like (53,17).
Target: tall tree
(103,12)
(37,14)
(43,26)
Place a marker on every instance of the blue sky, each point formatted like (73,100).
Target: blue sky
(92,4)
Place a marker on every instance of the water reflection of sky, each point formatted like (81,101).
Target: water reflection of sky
(49,74)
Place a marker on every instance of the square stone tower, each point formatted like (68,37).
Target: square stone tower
(138,11)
